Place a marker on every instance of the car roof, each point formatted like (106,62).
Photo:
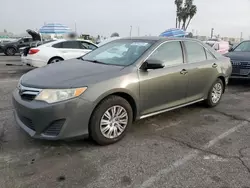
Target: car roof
(156,38)
(62,40)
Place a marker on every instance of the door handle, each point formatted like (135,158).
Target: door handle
(214,65)
(184,71)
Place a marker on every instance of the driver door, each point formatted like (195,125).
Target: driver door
(164,88)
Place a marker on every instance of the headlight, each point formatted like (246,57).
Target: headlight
(57,95)
(19,82)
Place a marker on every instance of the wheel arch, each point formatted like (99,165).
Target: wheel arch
(54,58)
(121,93)
(11,46)
(223,81)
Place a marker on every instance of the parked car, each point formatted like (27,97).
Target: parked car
(240,58)
(220,46)
(11,48)
(102,96)
(55,51)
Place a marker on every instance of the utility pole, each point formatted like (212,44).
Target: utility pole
(130,33)
(212,32)
(75,27)
(138,31)
(241,35)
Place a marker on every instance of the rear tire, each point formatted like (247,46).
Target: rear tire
(10,51)
(215,94)
(110,120)
(54,60)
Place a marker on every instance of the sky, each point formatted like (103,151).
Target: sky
(103,17)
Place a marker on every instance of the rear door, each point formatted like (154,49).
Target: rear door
(70,49)
(202,70)
(167,87)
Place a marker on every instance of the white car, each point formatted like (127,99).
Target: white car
(55,51)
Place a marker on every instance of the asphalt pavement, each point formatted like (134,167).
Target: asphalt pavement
(192,147)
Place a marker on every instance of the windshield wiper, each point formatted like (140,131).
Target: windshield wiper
(94,61)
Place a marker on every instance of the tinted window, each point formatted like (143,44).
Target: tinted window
(86,45)
(58,45)
(195,52)
(71,44)
(243,47)
(27,40)
(170,53)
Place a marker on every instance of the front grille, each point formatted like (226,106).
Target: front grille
(28,97)
(54,128)
(27,93)
(241,67)
(27,122)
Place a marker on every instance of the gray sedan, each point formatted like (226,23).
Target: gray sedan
(102,93)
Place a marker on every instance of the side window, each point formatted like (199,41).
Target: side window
(170,53)
(195,52)
(71,44)
(57,45)
(216,46)
(26,40)
(209,55)
(86,45)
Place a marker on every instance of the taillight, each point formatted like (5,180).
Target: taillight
(33,51)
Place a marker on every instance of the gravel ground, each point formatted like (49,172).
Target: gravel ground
(188,147)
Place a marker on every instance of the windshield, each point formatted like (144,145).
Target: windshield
(119,52)
(243,47)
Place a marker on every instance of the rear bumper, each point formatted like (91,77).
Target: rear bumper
(33,62)
(59,121)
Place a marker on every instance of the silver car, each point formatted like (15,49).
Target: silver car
(101,95)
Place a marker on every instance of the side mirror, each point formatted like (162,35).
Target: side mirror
(231,49)
(152,64)
(21,42)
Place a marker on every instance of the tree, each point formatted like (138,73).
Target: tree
(192,12)
(178,4)
(184,13)
(114,35)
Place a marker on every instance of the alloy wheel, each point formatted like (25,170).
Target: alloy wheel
(216,93)
(113,122)
(55,60)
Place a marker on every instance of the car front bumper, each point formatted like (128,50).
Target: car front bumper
(240,77)
(58,121)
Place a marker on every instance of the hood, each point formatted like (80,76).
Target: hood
(69,74)
(35,36)
(242,56)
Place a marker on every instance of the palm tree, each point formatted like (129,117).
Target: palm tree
(178,4)
(189,11)
(192,12)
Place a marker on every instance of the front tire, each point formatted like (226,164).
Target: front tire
(110,120)
(215,93)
